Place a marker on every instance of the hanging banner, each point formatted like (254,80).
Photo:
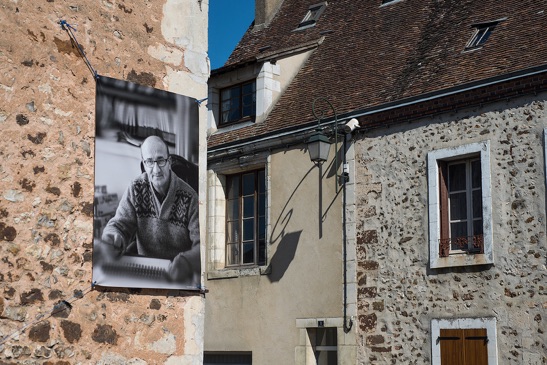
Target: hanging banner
(146,221)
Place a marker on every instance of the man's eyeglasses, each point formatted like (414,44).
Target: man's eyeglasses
(160,161)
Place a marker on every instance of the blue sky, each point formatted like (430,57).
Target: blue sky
(228,21)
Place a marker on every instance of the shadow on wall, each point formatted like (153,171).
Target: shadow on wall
(287,242)
(283,256)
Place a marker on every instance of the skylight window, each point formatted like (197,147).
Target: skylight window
(313,14)
(481,34)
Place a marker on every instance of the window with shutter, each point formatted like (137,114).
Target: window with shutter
(464,346)
(460,206)
(464,341)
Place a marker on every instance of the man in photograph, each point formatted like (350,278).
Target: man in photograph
(158,216)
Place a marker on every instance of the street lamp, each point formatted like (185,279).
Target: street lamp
(319,143)
(319,147)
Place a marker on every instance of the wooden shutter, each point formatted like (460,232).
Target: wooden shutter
(444,244)
(451,342)
(464,346)
(475,346)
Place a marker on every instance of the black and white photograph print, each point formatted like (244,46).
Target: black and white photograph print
(146,218)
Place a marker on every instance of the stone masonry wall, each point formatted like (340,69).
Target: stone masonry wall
(398,295)
(48,312)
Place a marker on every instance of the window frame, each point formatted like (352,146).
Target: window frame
(448,239)
(329,349)
(216,216)
(240,219)
(481,34)
(242,118)
(310,19)
(306,350)
(488,323)
(389,2)
(436,227)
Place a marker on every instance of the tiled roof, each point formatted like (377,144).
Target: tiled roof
(377,54)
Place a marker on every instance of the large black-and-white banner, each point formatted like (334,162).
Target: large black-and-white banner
(146,221)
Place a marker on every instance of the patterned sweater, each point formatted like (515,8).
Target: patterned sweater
(162,230)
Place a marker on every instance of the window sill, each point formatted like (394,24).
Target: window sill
(462,260)
(229,273)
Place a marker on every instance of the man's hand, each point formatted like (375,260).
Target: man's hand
(180,269)
(116,242)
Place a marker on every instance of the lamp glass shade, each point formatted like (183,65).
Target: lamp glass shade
(319,147)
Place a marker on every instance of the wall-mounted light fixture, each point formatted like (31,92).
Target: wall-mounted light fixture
(319,144)
(318,147)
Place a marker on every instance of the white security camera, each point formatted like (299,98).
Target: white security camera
(351,125)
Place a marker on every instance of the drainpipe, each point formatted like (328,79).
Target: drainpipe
(344,179)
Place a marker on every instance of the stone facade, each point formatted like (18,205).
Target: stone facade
(49,312)
(398,293)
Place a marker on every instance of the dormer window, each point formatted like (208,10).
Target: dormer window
(481,34)
(313,14)
(238,103)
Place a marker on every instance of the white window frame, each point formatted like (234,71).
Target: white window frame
(469,217)
(460,152)
(389,2)
(488,323)
(267,86)
(310,20)
(304,352)
(481,29)
(216,216)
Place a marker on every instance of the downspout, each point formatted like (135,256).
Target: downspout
(344,179)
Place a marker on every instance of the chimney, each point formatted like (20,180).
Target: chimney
(265,10)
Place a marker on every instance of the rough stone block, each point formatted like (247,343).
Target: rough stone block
(368,322)
(104,333)
(32,296)
(375,339)
(40,332)
(72,331)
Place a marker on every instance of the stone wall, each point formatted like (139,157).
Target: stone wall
(49,312)
(398,295)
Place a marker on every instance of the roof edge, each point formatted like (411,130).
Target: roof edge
(227,148)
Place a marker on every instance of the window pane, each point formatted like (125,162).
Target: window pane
(248,108)
(232,210)
(225,95)
(225,116)
(477,204)
(262,227)
(248,252)
(232,232)
(458,206)
(232,187)
(262,251)
(458,230)
(262,181)
(262,204)
(326,336)
(248,88)
(248,229)
(327,358)
(232,257)
(248,207)
(235,111)
(225,106)
(476,174)
(477,227)
(249,184)
(456,177)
